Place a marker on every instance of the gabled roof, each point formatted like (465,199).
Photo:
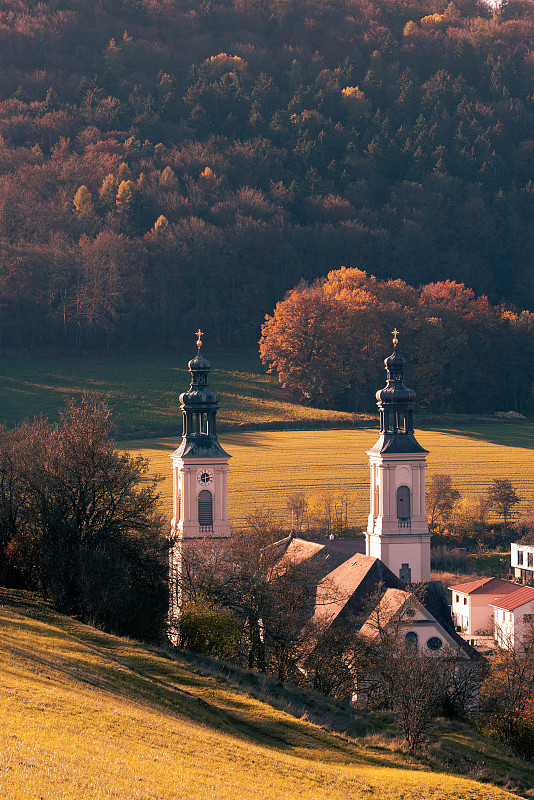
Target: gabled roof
(493,586)
(348,587)
(323,556)
(392,603)
(346,590)
(399,605)
(525,594)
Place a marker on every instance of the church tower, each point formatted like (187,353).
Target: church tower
(397,530)
(199,468)
(200,465)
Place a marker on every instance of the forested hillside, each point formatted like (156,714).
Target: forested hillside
(165,164)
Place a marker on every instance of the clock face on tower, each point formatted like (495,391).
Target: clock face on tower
(205,477)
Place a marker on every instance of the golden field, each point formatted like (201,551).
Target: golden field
(267,466)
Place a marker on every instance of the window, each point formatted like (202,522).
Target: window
(457,598)
(411,638)
(205,508)
(434,643)
(519,558)
(465,601)
(403,502)
(530,559)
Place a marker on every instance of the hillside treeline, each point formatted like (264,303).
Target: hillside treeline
(464,353)
(174,163)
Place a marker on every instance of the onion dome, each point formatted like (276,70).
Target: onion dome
(396,403)
(199,411)
(199,393)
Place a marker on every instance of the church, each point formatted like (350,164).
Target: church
(397,540)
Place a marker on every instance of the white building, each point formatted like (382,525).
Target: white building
(514,616)
(472,609)
(522,561)
(397,529)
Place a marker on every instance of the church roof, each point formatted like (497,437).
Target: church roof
(391,604)
(199,410)
(347,590)
(397,443)
(493,586)
(350,585)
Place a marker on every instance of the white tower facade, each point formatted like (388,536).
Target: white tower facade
(397,529)
(200,469)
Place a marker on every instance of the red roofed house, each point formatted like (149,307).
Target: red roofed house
(514,615)
(472,608)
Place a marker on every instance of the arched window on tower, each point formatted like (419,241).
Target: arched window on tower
(205,510)
(403,504)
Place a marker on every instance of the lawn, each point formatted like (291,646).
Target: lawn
(267,466)
(324,451)
(144,391)
(85,714)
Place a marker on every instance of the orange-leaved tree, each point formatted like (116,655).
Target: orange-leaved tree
(327,341)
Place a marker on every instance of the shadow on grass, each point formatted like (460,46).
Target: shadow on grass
(74,654)
(508,434)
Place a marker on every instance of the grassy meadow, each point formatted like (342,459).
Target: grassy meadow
(85,714)
(267,466)
(144,391)
(324,451)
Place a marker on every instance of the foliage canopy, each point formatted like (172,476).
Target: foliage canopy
(277,140)
(467,355)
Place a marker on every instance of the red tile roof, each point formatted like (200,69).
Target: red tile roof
(518,598)
(493,586)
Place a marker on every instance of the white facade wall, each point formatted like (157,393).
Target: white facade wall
(511,626)
(473,613)
(522,561)
(186,489)
(398,542)
(427,629)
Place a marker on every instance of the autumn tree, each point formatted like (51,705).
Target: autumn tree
(503,498)
(125,196)
(108,191)
(297,506)
(83,522)
(440,498)
(83,203)
(507,694)
(323,340)
(270,593)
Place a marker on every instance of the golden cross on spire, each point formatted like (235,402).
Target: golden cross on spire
(395,334)
(199,338)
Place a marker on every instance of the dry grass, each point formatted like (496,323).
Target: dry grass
(267,466)
(87,715)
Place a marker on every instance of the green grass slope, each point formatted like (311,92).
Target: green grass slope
(144,391)
(89,715)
